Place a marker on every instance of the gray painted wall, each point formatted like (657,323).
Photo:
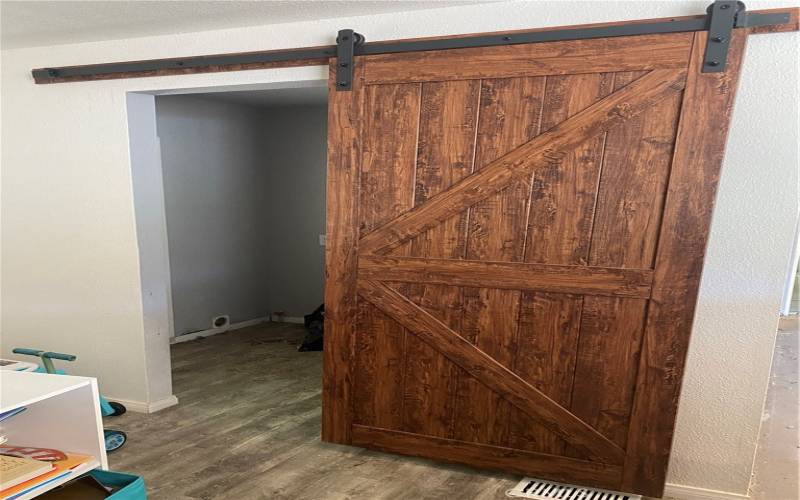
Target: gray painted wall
(244,194)
(212,167)
(296,141)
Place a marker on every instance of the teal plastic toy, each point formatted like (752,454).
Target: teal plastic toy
(114,438)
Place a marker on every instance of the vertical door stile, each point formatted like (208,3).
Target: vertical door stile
(345,110)
(696,165)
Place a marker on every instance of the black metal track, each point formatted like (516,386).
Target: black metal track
(743,20)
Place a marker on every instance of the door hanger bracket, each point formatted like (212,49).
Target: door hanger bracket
(346,44)
(723,16)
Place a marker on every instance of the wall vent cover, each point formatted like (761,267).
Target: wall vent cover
(548,490)
(221,321)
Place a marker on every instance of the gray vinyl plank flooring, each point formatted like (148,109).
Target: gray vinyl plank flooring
(247,427)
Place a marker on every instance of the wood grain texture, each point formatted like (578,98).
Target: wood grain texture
(792,25)
(389,147)
(607,358)
(519,163)
(495,457)
(632,53)
(561,216)
(549,325)
(508,275)
(565,187)
(341,254)
(491,373)
(563,199)
(636,162)
(699,149)
(510,113)
(445,153)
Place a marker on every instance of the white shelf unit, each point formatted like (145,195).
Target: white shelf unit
(63,413)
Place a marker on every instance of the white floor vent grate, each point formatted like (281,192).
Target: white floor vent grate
(547,490)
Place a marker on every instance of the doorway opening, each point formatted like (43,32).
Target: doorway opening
(229,192)
(244,192)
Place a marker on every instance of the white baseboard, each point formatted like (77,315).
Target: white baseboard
(681,492)
(214,331)
(144,407)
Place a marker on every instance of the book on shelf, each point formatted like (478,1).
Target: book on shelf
(16,470)
(72,465)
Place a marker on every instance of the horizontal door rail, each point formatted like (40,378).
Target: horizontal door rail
(508,275)
(775,20)
(496,457)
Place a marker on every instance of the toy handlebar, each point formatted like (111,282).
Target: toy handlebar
(44,354)
(47,357)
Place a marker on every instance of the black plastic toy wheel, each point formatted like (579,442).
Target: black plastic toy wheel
(119,408)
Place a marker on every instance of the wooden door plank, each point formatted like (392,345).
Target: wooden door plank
(608,355)
(565,188)
(341,254)
(491,373)
(510,111)
(559,232)
(445,154)
(508,275)
(636,165)
(389,153)
(699,149)
(606,113)
(389,147)
(632,53)
(545,358)
(635,169)
(495,457)
(561,213)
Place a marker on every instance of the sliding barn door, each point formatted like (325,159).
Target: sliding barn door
(515,242)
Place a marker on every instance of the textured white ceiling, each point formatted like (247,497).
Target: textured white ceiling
(40,23)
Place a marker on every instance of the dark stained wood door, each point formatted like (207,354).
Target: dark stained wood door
(515,242)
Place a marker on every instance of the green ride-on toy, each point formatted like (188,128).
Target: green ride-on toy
(114,438)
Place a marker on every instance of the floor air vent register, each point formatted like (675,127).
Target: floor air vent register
(548,490)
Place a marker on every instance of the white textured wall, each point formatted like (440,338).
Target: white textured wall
(70,266)
(151,233)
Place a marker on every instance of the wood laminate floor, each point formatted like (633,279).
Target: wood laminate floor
(247,427)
